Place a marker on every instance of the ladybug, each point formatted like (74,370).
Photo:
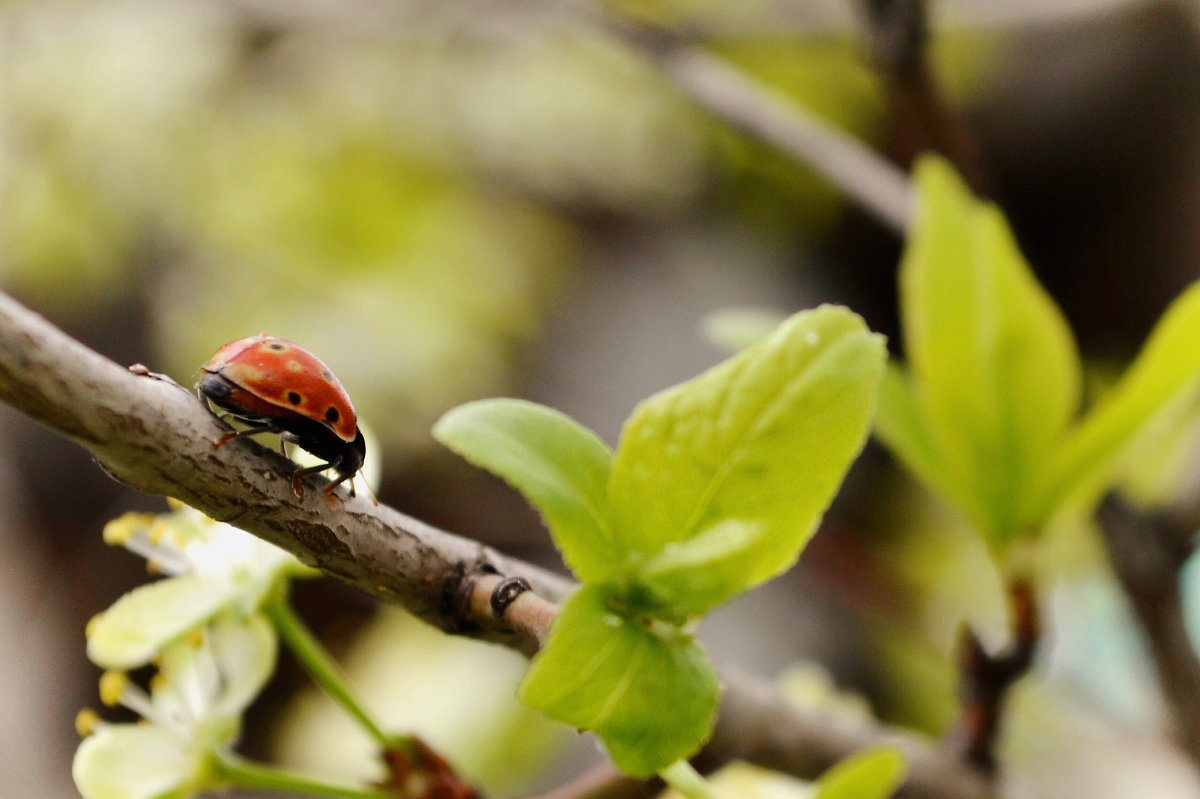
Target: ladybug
(276,386)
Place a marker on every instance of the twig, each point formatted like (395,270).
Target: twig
(155,436)
(866,178)
(918,114)
(987,679)
(757,725)
(1147,553)
(604,782)
(150,433)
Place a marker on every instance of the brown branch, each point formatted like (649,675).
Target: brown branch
(155,436)
(987,679)
(918,114)
(1147,553)
(759,111)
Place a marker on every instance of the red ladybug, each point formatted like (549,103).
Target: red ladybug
(276,386)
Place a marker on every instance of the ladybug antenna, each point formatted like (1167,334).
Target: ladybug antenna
(366,485)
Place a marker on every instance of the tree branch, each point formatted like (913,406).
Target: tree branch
(878,186)
(155,436)
(918,114)
(987,679)
(1147,553)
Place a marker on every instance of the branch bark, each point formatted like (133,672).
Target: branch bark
(155,436)
(1147,554)
(875,184)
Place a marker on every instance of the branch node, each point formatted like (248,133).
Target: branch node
(505,592)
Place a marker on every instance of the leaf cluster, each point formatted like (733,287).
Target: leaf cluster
(715,487)
(985,412)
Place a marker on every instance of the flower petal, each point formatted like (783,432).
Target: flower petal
(144,621)
(127,761)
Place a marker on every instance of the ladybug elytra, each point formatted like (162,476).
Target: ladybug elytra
(276,386)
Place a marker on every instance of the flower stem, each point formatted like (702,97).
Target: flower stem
(682,777)
(324,670)
(233,770)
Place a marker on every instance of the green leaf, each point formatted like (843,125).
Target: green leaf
(873,774)
(995,373)
(647,690)
(764,438)
(900,424)
(559,466)
(688,578)
(1164,373)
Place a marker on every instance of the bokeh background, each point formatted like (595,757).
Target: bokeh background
(452,200)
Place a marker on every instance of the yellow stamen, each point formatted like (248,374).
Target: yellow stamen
(157,530)
(175,504)
(126,526)
(195,637)
(86,721)
(112,685)
(157,682)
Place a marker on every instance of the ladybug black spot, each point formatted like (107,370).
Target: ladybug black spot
(275,345)
(294,398)
(332,415)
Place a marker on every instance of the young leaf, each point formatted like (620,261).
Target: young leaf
(873,774)
(561,468)
(900,424)
(648,691)
(1166,370)
(689,578)
(993,362)
(764,438)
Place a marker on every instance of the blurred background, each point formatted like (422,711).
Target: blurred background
(448,201)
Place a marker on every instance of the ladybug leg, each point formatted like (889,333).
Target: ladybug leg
(284,440)
(320,467)
(249,431)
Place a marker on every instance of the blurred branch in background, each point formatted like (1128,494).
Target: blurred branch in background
(987,679)
(757,110)
(157,437)
(918,116)
(1147,553)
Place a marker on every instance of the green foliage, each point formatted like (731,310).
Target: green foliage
(993,372)
(560,466)
(983,413)
(716,486)
(763,438)
(1165,374)
(648,691)
(873,774)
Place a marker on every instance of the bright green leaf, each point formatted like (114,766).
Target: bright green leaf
(559,466)
(764,438)
(873,774)
(900,424)
(141,623)
(647,690)
(1164,373)
(688,578)
(994,368)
